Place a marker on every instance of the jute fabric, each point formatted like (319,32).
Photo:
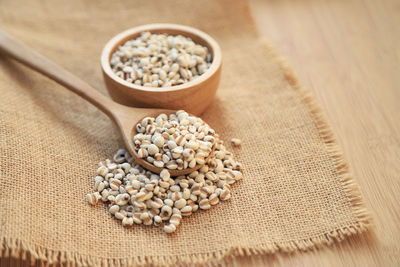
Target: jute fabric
(297,192)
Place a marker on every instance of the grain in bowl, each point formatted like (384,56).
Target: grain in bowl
(160,60)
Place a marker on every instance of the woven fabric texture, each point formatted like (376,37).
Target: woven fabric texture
(297,192)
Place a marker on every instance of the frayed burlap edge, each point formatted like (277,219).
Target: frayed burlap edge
(37,254)
(12,247)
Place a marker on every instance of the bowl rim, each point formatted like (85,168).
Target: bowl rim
(108,48)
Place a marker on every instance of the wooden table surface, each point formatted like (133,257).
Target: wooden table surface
(348,53)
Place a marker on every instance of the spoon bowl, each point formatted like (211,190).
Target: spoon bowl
(124,117)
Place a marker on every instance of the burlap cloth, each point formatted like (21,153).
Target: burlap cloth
(296,194)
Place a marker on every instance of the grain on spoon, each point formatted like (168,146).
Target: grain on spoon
(176,142)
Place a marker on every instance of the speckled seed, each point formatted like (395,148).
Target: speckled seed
(136,184)
(164,184)
(149,187)
(180,203)
(212,176)
(104,195)
(225,194)
(166,212)
(149,195)
(192,163)
(175,195)
(122,199)
(157,203)
(158,163)
(145,217)
(172,165)
(204,204)
(119,175)
(139,205)
(119,156)
(169,202)
(170,228)
(175,188)
(213,199)
(157,220)
(92,199)
(171,144)
(195,208)
(100,186)
(236,141)
(196,189)
(119,215)
(177,150)
(98,179)
(111,198)
(186,193)
(165,175)
(130,190)
(102,170)
(113,209)
(126,167)
(186,211)
(141,196)
(152,149)
(136,218)
(176,211)
(159,141)
(115,184)
(175,219)
(142,153)
(192,144)
(127,221)
(238,175)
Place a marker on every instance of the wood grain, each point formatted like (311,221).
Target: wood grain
(348,54)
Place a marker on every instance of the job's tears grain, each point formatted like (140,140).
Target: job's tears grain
(160,60)
(236,142)
(138,196)
(175,141)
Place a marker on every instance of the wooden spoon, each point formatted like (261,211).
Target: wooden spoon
(124,117)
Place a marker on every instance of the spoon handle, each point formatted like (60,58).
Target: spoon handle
(27,56)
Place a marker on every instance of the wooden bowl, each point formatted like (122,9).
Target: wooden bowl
(194,96)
